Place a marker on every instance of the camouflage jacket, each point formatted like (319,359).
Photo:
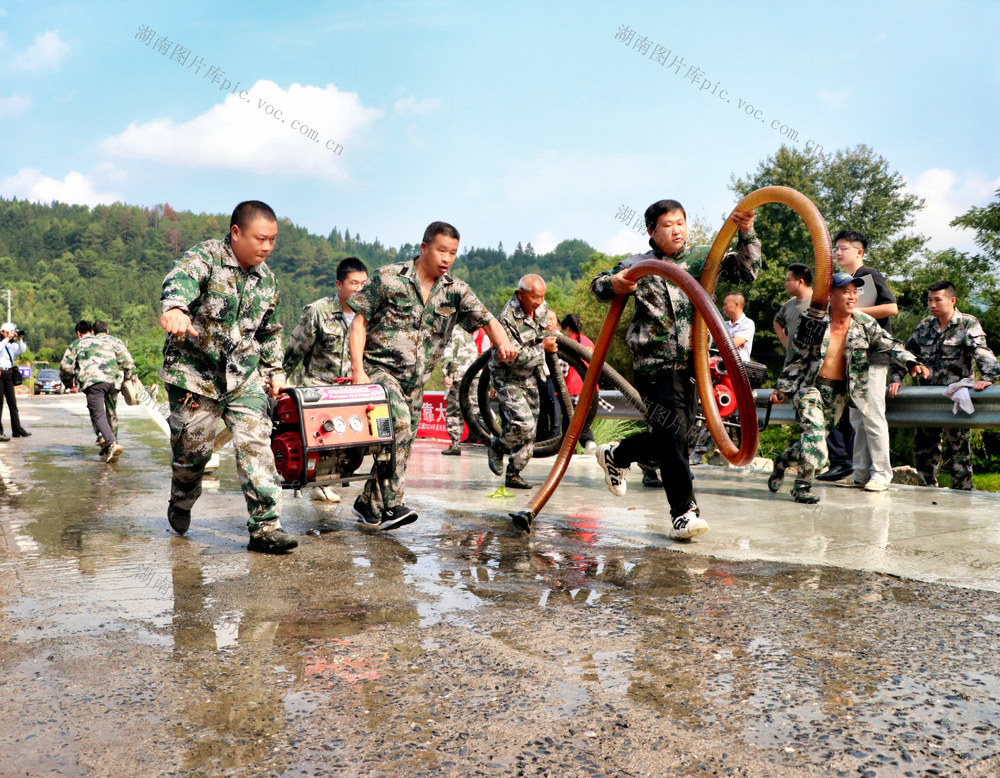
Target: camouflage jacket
(460,352)
(319,343)
(406,336)
(949,353)
(235,314)
(95,359)
(865,339)
(660,333)
(525,332)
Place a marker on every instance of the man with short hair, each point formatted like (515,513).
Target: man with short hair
(823,378)
(952,344)
(660,340)
(798,284)
(223,347)
(12,345)
(99,363)
(405,315)
(525,318)
(872,465)
(741,327)
(319,340)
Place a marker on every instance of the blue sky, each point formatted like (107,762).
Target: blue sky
(515,121)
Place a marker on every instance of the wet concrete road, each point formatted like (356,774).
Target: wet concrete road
(454,646)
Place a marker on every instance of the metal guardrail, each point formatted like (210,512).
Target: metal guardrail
(913,406)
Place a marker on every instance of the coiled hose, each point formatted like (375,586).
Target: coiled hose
(809,331)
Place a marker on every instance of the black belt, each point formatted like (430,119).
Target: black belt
(833,383)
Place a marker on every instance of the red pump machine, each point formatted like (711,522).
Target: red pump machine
(322,434)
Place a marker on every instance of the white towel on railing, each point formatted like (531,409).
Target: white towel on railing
(959,392)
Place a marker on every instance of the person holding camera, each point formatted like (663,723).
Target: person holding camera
(11,347)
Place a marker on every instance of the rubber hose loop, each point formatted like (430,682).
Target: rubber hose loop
(710,274)
(699,336)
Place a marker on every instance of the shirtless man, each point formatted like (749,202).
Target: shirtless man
(824,378)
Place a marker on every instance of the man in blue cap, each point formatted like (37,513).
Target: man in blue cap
(825,378)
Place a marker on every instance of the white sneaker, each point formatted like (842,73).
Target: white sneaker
(876,484)
(688,525)
(614,476)
(324,494)
(590,448)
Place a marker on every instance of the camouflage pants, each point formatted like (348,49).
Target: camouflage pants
(194,420)
(453,414)
(518,397)
(406,407)
(817,410)
(958,447)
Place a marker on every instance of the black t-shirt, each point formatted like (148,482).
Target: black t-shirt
(876,291)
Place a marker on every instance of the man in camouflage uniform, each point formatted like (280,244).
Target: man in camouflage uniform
(526,318)
(99,363)
(949,342)
(405,315)
(224,342)
(460,352)
(824,378)
(660,340)
(319,341)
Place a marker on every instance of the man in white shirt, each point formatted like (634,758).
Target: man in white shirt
(741,328)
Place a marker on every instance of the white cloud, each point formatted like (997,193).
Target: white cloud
(241,134)
(945,198)
(411,106)
(46,53)
(544,242)
(75,189)
(13,106)
(834,100)
(624,242)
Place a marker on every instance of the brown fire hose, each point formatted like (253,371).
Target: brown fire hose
(810,330)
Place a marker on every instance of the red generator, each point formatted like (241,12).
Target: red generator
(322,434)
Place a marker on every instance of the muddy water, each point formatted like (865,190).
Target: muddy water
(451,647)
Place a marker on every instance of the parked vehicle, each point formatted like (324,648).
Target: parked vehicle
(48,382)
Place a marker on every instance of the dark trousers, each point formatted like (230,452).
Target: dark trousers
(96,398)
(670,410)
(840,444)
(8,393)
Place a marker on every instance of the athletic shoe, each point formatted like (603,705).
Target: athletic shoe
(876,484)
(774,482)
(452,451)
(494,454)
(804,495)
(590,447)
(650,478)
(366,514)
(272,541)
(688,525)
(397,517)
(514,481)
(614,476)
(178,518)
(324,494)
(113,453)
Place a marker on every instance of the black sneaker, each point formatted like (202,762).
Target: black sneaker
(514,481)
(179,518)
(397,517)
(835,473)
(366,514)
(452,451)
(805,495)
(650,478)
(272,541)
(494,456)
(774,482)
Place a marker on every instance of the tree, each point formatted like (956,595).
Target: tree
(986,223)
